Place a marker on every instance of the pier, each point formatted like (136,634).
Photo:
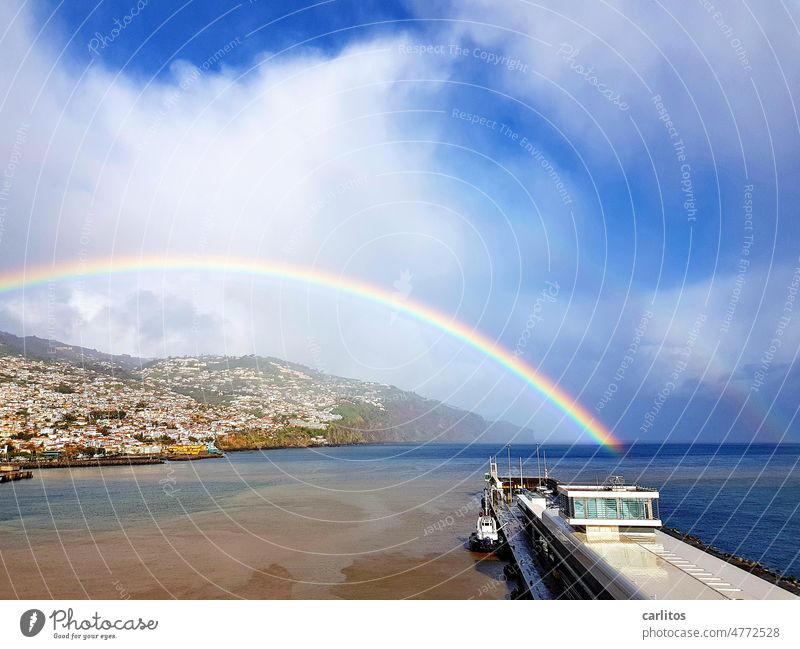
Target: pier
(517,543)
(605,541)
(114,460)
(9,473)
(526,566)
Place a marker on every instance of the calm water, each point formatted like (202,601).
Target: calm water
(365,521)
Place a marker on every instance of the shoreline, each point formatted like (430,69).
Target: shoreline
(303,446)
(127,460)
(137,460)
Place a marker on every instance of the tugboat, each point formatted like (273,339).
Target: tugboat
(485,538)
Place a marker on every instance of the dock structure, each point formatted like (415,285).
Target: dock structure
(518,543)
(9,473)
(516,540)
(113,460)
(604,542)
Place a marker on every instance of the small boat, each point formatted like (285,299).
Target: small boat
(485,538)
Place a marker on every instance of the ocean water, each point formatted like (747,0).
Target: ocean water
(385,521)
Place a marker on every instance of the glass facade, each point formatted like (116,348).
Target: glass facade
(633,508)
(613,508)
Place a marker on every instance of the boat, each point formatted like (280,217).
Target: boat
(486,537)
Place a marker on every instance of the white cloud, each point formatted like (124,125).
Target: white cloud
(304,159)
(316,159)
(703,58)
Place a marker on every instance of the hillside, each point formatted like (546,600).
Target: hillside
(51,350)
(54,395)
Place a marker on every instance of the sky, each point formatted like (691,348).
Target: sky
(607,189)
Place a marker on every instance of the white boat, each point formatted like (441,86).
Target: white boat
(486,537)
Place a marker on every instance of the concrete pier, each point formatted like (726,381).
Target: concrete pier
(9,473)
(517,541)
(605,542)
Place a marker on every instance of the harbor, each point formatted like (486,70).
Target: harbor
(604,541)
(181,511)
(175,453)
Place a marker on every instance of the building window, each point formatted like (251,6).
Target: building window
(607,508)
(612,508)
(632,508)
(600,508)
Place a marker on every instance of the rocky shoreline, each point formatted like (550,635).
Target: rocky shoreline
(282,447)
(787,582)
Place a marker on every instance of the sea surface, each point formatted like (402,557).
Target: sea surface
(383,521)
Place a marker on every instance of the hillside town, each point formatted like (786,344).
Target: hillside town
(55,409)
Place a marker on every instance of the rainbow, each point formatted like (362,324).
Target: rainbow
(28,277)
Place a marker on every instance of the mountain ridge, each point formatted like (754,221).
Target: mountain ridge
(282,401)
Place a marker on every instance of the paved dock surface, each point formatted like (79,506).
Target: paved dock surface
(520,546)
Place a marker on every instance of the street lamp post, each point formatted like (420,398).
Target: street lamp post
(508,448)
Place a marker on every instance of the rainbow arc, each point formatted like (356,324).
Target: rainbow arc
(558,397)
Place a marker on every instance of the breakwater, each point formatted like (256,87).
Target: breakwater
(91,462)
(116,460)
(9,474)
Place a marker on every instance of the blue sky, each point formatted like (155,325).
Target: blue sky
(164,31)
(472,156)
